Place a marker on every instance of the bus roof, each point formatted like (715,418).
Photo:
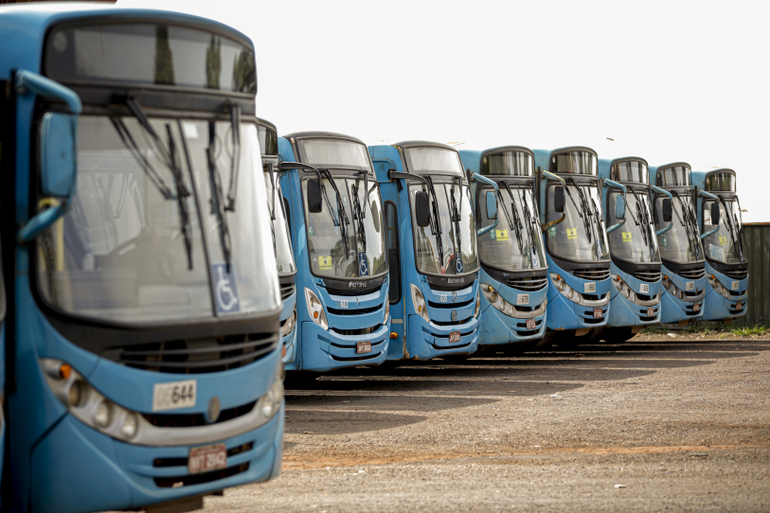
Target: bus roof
(472,158)
(605,168)
(22,27)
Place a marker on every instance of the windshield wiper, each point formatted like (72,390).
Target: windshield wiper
(181,197)
(457,239)
(434,225)
(152,175)
(734,233)
(586,211)
(359,216)
(235,161)
(514,220)
(530,217)
(686,221)
(217,200)
(341,213)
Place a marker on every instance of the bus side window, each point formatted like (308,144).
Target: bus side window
(391,224)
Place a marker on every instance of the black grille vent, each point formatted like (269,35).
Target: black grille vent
(528,284)
(287,291)
(199,355)
(592,274)
(693,274)
(651,276)
(737,275)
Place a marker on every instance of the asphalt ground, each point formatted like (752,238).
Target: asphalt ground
(666,423)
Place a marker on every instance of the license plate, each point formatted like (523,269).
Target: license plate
(454,337)
(207,457)
(650,312)
(174,395)
(531,324)
(696,307)
(364,347)
(738,306)
(597,313)
(589,287)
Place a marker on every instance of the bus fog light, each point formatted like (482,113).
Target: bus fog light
(130,425)
(103,414)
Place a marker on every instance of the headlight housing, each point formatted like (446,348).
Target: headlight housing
(316,309)
(478,304)
(290,323)
(717,285)
(420,306)
(497,301)
(573,295)
(672,289)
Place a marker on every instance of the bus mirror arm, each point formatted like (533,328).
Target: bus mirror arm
(550,176)
(670,201)
(715,198)
(58,151)
(620,206)
(479,178)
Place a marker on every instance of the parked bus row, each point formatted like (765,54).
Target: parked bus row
(156,286)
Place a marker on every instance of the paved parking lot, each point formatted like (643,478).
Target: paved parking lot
(656,424)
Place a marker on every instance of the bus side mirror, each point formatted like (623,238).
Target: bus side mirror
(421,208)
(620,207)
(714,214)
(666,207)
(558,199)
(491,205)
(58,155)
(314,203)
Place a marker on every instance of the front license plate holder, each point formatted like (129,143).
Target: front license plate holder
(696,307)
(207,458)
(365,346)
(597,313)
(650,312)
(739,306)
(531,324)
(454,337)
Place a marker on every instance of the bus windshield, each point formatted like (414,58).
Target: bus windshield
(515,243)
(635,240)
(347,238)
(724,245)
(147,238)
(283,253)
(451,233)
(581,236)
(681,243)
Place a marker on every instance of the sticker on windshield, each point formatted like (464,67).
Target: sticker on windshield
(190,130)
(716,252)
(571,233)
(363,264)
(665,242)
(535,258)
(552,231)
(626,236)
(225,288)
(458,262)
(722,240)
(311,231)
(325,263)
(501,235)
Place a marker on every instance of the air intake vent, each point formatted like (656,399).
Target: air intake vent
(287,291)
(693,274)
(528,284)
(197,356)
(651,276)
(599,273)
(737,275)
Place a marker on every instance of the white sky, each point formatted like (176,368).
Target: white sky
(667,80)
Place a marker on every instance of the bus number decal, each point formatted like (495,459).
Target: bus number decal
(644,288)
(174,395)
(522,299)
(442,298)
(343,304)
(690,285)
(589,287)
(735,285)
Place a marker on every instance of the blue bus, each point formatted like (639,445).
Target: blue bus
(513,273)
(635,256)
(577,250)
(143,358)
(431,243)
(338,235)
(720,219)
(268,143)
(681,251)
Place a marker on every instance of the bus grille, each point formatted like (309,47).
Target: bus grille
(528,284)
(200,355)
(287,291)
(651,276)
(693,274)
(598,273)
(737,275)
(185,420)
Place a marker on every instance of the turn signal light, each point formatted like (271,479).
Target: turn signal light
(65,371)
(393,334)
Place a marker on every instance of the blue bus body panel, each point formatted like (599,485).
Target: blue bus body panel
(676,310)
(564,314)
(719,307)
(417,338)
(623,311)
(318,349)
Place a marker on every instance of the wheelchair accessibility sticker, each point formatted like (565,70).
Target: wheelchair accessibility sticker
(363,265)
(225,289)
(458,262)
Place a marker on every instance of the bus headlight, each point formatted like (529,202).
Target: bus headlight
(288,326)
(271,402)
(717,285)
(478,304)
(566,290)
(387,311)
(420,306)
(672,289)
(130,425)
(103,415)
(497,301)
(316,309)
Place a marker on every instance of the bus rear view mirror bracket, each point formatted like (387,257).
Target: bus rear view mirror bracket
(58,151)
(491,208)
(550,176)
(714,222)
(620,204)
(422,208)
(665,208)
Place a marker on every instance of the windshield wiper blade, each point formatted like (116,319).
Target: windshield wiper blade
(152,174)
(686,221)
(514,222)
(434,225)
(530,217)
(181,197)
(586,212)
(217,199)
(235,161)
(358,215)
(341,213)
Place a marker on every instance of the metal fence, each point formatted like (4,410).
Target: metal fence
(756,247)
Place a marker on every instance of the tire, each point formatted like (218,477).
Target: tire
(617,335)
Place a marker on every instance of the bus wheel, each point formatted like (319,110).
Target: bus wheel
(617,335)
